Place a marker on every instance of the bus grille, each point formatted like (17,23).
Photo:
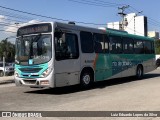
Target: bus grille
(30,82)
(30,70)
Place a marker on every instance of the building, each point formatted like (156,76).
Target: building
(133,24)
(153,34)
(114,25)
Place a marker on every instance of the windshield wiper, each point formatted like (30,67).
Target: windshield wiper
(31,44)
(36,38)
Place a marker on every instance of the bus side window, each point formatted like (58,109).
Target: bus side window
(115,44)
(127,45)
(86,42)
(147,47)
(138,47)
(106,44)
(98,43)
(66,46)
(72,45)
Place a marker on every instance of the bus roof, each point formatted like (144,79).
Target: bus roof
(104,30)
(126,34)
(89,29)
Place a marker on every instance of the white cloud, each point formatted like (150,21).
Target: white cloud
(10,28)
(29,22)
(13,27)
(33,21)
(2,18)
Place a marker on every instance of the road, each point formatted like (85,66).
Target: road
(125,94)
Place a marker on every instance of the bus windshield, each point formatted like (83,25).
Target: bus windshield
(35,49)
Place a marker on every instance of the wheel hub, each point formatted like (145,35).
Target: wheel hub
(86,79)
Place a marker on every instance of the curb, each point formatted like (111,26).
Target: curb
(6,82)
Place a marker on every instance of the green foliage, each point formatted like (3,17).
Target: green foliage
(7,49)
(157,46)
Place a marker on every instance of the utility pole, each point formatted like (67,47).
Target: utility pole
(122,14)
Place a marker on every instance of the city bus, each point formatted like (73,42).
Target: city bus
(58,54)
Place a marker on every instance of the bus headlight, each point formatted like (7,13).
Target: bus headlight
(16,73)
(46,72)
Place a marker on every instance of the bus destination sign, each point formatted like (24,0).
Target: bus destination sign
(34,29)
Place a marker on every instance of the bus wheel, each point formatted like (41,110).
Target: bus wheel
(1,73)
(139,72)
(86,79)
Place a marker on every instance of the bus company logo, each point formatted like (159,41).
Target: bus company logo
(6,114)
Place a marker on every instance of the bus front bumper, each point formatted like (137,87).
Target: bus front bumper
(36,82)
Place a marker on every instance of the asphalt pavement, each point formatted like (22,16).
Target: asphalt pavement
(124,94)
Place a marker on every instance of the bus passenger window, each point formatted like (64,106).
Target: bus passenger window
(148,47)
(115,44)
(138,47)
(66,46)
(127,45)
(98,43)
(106,44)
(86,42)
(72,45)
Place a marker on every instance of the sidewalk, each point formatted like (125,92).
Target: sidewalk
(6,80)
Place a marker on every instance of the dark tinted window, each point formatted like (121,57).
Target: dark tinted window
(101,44)
(138,47)
(98,43)
(86,42)
(66,47)
(106,44)
(115,44)
(147,47)
(72,45)
(34,29)
(127,46)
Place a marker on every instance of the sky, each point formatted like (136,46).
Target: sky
(88,11)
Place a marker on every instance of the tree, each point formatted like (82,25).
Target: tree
(7,49)
(157,46)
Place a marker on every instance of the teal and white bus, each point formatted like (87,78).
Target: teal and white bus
(57,54)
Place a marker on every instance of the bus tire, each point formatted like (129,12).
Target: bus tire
(1,73)
(86,78)
(139,72)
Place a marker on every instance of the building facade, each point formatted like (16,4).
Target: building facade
(133,24)
(153,34)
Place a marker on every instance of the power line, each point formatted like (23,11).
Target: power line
(8,31)
(43,16)
(122,14)
(110,3)
(15,15)
(31,13)
(98,3)
(153,22)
